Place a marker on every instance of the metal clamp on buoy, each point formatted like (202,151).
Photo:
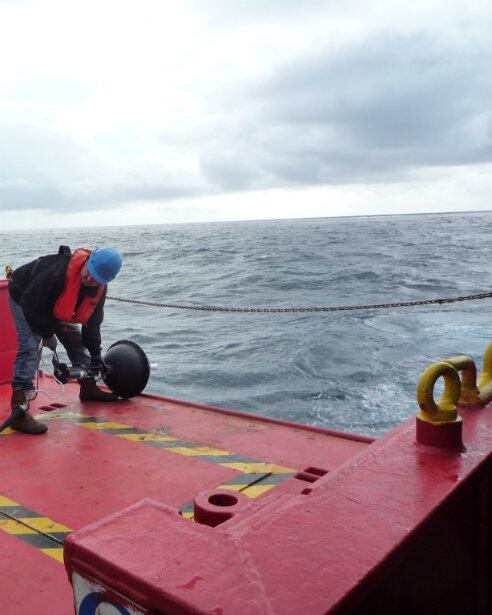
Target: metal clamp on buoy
(125,371)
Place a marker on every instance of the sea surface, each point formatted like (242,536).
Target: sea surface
(352,371)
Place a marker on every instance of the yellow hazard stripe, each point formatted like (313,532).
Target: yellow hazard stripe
(103,426)
(146,437)
(44,524)
(60,414)
(198,450)
(254,468)
(14,527)
(185,448)
(40,532)
(56,553)
(7,502)
(252,491)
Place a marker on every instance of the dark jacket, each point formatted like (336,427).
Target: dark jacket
(37,285)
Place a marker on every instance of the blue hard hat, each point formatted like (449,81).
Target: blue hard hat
(104,264)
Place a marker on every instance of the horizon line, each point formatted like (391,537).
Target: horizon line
(225,221)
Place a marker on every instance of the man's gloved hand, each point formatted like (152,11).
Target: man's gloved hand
(97,363)
(50,342)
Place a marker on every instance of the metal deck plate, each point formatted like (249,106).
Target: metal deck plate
(99,458)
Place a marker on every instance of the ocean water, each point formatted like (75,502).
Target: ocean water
(353,371)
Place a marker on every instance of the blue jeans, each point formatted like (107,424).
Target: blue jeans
(30,349)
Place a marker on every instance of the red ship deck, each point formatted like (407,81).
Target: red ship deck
(413,506)
(99,458)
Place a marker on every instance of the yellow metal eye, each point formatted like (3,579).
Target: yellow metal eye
(444,410)
(485,380)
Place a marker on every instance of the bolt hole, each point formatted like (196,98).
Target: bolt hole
(222,499)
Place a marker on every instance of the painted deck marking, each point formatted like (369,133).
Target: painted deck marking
(197,450)
(255,479)
(40,532)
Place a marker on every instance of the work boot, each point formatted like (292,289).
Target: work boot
(25,422)
(89,391)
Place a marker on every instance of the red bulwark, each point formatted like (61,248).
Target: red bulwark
(399,528)
(8,339)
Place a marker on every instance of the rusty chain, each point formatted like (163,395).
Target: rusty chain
(276,310)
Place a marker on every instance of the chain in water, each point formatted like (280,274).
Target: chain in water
(279,310)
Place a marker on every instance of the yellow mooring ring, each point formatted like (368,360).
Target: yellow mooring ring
(485,380)
(444,410)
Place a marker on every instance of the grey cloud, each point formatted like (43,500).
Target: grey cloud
(387,91)
(43,169)
(374,111)
(68,198)
(228,171)
(23,194)
(370,112)
(31,154)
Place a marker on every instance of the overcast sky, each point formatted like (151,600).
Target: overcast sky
(148,111)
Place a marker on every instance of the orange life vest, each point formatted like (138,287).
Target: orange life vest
(65,306)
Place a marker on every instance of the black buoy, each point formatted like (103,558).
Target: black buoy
(128,369)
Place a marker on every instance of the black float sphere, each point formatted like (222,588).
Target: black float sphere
(128,369)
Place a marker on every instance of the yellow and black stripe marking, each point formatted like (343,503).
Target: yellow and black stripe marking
(256,484)
(197,450)
(256,477)
(40,532)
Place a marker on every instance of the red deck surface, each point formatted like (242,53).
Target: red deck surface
(399,529)
(396,527)
(76,475)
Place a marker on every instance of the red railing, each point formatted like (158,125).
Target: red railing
(8,338)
